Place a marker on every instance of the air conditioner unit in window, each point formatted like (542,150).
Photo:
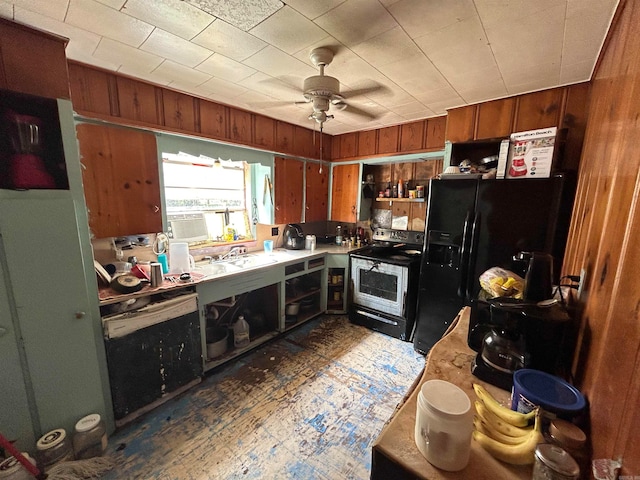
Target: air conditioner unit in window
(187,227)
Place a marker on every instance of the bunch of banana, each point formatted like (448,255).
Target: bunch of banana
(504,433)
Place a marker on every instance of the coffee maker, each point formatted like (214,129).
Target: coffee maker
(510,334)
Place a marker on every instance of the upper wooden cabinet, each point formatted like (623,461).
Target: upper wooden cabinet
(26,55)
(499,118)
(316,192)
(288,190)
(345,188)
(121,180)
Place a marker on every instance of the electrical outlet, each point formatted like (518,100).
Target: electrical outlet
(581,283)
(275,231)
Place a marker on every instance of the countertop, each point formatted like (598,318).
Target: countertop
(279,257)
(395,454)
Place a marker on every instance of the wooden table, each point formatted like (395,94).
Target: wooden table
(395,454)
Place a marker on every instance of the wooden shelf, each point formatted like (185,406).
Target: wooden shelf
(235,352)
(407,200)
(301,296)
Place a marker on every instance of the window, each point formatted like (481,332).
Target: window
(206,198)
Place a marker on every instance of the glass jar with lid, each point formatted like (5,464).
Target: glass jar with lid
(90,437)
(12,469)
(54,447)
(554,463)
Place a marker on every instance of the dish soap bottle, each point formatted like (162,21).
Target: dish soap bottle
(339,235)
(241,332)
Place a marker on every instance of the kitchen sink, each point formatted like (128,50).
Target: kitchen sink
(213,269)
(251,260)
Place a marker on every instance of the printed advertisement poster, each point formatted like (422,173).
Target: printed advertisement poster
(531,153)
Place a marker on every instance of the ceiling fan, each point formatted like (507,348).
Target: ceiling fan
(323,91)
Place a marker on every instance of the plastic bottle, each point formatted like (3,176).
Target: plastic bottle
(90,437)
(339,235)
(400,189)
(241,332)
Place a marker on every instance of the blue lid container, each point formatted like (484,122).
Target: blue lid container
(533,388)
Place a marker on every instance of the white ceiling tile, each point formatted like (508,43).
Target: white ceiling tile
(576,72)
(168,45)
(426,113)
(55,9)
(115,52)
(115,4)
(446,94)
(81,42)
(460,48)
(532,85)
(386,48)
(136,72)
(512,12)
(174,16)
(244,14)
(222,67)
(585,28)
(230,41)
(272,87)
(481,92)
(523,73)
(356,21)
(222,87)
(175,72)
(537,39)
(6,10)
(107,22)
(288,30)
(415,74)
(275,62)
(84,57)
(409,108)
(420,17)
(313,9)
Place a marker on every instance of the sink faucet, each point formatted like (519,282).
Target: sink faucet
(233,253)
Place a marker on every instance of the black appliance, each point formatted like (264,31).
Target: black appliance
(293,237)
(384,282)
(527,335)
(473,225)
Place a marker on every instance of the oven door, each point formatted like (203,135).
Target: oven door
(379,285)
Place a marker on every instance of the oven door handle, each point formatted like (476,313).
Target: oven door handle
(377,317)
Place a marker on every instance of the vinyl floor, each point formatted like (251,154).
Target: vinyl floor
(308,405)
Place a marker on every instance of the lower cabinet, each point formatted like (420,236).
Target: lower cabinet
(337,282)
(256,296)
(304,297)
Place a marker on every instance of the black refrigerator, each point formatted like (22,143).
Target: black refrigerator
(473,225)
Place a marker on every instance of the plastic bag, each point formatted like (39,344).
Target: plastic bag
(499,282)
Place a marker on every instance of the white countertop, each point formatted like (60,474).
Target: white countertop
(217,270)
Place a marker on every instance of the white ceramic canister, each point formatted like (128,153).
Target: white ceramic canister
(444,424)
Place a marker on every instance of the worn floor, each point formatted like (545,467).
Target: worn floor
(306,406)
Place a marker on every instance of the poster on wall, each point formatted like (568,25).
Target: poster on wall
(530,154)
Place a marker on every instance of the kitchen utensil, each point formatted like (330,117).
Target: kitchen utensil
(179,259)
(217,341)
(126,283)
(533,388)
(293,237)
(139,272)
(156,274)
(292,308)
(104,277)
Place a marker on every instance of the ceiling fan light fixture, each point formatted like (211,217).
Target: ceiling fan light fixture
(321,86)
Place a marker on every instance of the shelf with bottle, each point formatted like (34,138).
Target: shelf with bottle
(403,199)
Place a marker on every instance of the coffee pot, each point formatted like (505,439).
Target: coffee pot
(537,270)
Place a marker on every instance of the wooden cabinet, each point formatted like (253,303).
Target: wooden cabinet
(121,180)
(345,188)
(25,56)
(461,124)
(495,118)
(288,190)
(316,192)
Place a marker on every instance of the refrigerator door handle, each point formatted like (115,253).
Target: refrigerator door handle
(464,255)
(475,233)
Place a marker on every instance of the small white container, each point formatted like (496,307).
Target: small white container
(444,424)
(90,437)
(12,469)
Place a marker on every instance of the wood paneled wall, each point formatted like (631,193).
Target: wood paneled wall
(113,97)
(605,241)
(414,137)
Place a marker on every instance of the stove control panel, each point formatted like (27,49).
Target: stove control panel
(398,236)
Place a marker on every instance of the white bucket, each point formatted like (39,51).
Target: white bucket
(444,424)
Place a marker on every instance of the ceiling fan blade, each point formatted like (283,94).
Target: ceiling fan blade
(357,92)
(358,111)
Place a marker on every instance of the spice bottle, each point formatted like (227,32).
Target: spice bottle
(90,437)
(241,332)
(400,189)
(387,192)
